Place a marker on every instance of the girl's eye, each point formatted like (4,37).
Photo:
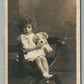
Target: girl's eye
(28,26)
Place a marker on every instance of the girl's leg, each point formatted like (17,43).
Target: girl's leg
(45,64)
(39,64)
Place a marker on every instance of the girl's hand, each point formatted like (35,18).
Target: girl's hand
(38,46)
(31,49)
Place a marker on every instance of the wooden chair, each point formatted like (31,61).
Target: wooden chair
(56,44)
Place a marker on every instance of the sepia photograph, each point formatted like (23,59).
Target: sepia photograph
(42,41)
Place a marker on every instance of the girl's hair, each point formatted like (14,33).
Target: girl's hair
(24,21)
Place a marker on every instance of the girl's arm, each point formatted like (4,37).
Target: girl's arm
(30,49)
(25,48)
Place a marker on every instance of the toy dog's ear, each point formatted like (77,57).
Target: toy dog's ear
(35,38)
(45,35)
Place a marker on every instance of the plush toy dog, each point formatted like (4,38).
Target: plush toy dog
(41,39)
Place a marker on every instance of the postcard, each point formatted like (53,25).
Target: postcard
(41,41)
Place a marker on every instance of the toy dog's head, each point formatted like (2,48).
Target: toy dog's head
(41,38)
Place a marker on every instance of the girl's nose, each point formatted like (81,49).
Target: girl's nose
(26,28)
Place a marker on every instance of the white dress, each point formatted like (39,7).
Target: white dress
(27,42)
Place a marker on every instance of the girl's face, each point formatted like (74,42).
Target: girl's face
(27,29)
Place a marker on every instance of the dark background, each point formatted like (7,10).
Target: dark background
(57,18)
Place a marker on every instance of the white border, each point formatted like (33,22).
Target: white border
(78,42)
(6,41)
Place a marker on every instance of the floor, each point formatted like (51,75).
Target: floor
(17,75)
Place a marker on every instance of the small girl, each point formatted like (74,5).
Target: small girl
(32,51)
